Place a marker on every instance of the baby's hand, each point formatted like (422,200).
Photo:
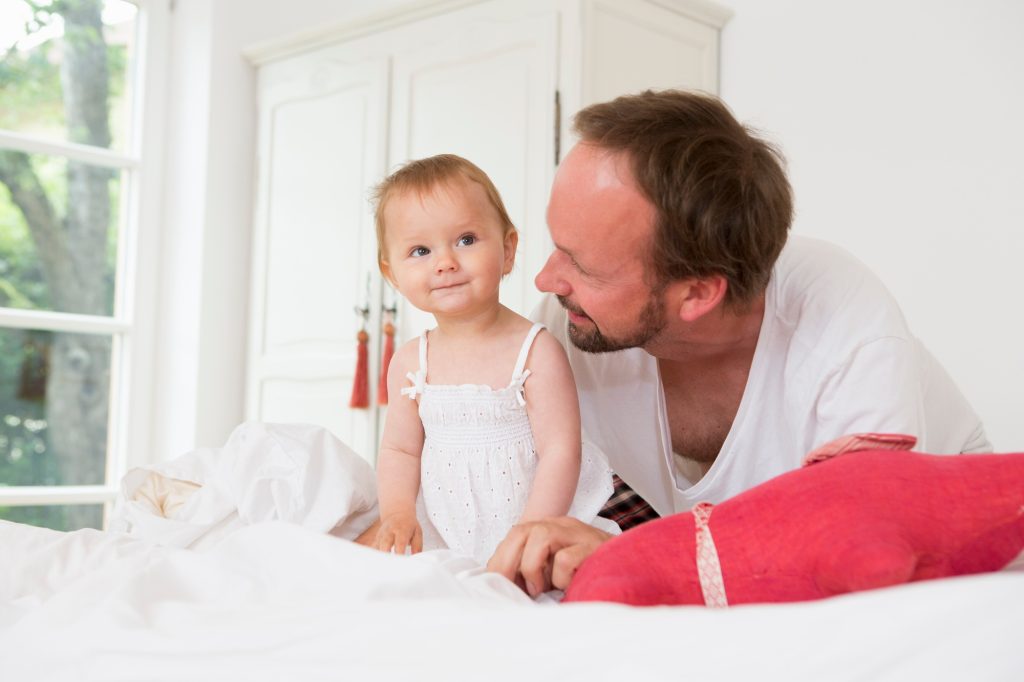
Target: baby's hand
(398,531)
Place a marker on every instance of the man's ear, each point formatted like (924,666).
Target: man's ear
(697,297)
(511,242)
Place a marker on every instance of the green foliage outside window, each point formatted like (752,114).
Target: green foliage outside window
(37,365)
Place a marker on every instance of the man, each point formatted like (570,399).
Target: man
(710,354)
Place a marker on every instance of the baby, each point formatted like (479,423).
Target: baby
(489,434)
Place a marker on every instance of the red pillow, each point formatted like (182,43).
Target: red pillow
(861,520)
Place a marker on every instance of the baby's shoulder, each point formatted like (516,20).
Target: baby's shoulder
(546,350)
(407,356)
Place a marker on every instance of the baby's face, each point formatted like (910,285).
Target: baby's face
(446,249)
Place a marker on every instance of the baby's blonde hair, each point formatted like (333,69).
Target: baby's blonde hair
(424,175)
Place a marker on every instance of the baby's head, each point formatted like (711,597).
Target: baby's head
(422,177)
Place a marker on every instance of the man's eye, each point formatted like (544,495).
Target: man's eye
(419,251)
(467,239)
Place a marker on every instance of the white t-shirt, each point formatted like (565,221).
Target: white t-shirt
(834,357)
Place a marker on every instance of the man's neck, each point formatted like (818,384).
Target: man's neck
(724,335)
(704,371)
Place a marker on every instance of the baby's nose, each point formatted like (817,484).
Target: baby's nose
(445,263)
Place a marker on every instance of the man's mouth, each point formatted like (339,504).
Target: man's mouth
(576,313)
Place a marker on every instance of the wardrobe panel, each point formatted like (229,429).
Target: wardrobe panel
(488,96)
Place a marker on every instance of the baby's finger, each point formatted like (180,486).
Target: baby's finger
(384,541)
(417,540)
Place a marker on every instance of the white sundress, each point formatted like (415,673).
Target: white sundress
(479,460)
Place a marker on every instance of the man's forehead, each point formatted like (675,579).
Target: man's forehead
(594,193)
(600,167)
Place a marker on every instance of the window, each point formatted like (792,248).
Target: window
(77,182)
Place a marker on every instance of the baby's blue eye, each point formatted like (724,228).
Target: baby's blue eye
(419,251)
(467,239)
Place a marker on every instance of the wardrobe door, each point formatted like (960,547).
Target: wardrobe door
(483,87)
(630,47)
(321,142)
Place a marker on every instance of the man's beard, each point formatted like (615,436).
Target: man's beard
(651,322)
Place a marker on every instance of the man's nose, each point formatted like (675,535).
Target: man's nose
(549,280)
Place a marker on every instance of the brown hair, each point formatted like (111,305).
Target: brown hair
(424,175)
(723,203)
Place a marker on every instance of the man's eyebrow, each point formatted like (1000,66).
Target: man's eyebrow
(572,257)
(566,251)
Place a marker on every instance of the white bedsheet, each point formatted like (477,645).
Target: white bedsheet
(270,600)
(279,602)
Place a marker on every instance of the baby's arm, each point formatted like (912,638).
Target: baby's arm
(554,411)
(398,465)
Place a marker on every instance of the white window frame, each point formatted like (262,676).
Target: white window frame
(132,327)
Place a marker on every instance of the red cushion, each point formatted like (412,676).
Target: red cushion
(859,521)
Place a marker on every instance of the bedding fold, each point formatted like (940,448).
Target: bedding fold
(297,473)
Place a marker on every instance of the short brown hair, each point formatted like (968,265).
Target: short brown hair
(724,205)
(424,175)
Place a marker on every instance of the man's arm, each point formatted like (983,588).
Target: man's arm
(542,555)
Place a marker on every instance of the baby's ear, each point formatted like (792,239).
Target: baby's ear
(385,270)
(511,242)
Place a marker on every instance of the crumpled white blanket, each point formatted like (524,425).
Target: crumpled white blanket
(272,595)
(274,601)
(296,473)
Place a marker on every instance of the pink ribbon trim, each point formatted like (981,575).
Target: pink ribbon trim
(709,568)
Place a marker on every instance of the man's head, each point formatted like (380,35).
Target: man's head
(666,192)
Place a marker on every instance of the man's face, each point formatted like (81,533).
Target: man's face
(602,227)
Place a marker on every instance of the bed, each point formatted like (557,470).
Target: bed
(262,592)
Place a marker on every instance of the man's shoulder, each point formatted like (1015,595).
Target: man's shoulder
(822,307)
(810,258)
(816,281)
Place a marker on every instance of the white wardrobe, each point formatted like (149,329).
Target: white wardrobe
(495,81)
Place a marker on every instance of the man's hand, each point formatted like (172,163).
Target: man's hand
(542,555)
(398,531)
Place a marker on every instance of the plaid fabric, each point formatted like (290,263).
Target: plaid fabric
(625,507)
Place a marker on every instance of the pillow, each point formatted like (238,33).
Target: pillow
(859,520)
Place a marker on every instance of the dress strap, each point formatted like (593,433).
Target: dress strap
(423,352)
(520,373)
(419,377)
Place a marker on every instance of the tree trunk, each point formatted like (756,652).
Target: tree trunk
(79,382)
(73,255)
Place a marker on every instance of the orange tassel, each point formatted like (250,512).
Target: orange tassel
(385,360)
(361,384)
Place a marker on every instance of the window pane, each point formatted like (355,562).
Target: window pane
(66,517)
(58,234)
(67,77)
(54,403)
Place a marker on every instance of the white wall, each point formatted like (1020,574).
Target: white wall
(903,123)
